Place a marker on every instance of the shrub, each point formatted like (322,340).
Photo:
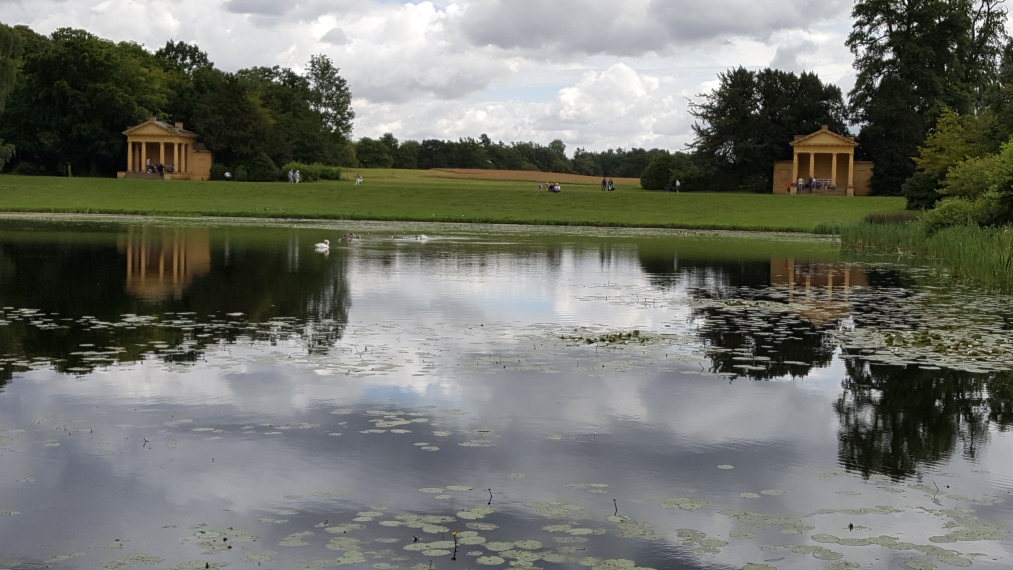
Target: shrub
(948,213)
(658,173)
(310,172)
(921,191)
(970,178)
(218,171)
(30,168)
(260,169)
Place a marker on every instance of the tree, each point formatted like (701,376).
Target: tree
(390,142)
(77,95)
(10,51)
(184,57)
(986,182)
(373,153)
(748,122)
(913,58)
(231,124)
(330,96)
(657,173)
(954,139)
(407,155)
(435,153)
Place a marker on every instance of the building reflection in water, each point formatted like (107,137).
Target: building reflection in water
(822,289)
(162,262)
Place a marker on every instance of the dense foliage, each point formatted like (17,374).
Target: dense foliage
(748,122)
(10,51)
(913,60)
(72,94)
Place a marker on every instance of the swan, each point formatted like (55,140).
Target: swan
(323,246)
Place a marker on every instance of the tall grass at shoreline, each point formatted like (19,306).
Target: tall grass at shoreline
(978,254)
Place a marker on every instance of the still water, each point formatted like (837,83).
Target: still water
(178,396)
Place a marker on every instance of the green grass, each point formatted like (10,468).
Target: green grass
(424,196)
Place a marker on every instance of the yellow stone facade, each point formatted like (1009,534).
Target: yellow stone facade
(829,159)
(153,143)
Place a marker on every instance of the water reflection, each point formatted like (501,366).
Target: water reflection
(162,262)
(231,380)
(164,291)
(895,420)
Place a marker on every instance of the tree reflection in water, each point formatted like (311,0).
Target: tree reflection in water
(771,317)
(894,420)
(120,296)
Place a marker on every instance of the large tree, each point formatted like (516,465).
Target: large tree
(77,94)
(748,122)
(231,122)
(331,97)
(913,58)
(10,51)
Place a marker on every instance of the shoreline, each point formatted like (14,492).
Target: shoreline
(378,225)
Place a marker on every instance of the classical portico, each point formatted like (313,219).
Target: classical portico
(825,157)
(168,151)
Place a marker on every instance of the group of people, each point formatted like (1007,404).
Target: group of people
(811,184)
(551,187)
(607,184)
(358,179)
(294,177)
(152,168)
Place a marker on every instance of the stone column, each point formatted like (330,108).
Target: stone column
(851,173)
(144,157)
(130,156)
(161,153)
(833,169)
(794,173)
(175,157)
(812,165)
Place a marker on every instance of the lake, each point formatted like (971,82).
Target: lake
(194,394)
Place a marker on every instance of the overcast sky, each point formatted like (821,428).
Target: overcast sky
(596,74)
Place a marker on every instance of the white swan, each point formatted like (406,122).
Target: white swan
(323,246)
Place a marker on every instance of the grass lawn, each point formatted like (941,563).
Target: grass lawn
(444,196)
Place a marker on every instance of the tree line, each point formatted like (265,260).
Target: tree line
(933,89)
(68,97)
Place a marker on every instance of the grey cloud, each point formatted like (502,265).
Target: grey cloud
(635,26)
(405,89)
(257,7)
(336,36)
(689,21)
(563,26)
(788,58)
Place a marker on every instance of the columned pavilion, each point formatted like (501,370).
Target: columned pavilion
(153,144)
(826,157)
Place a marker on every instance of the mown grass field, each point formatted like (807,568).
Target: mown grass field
(444,196)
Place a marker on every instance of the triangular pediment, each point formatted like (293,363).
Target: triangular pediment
(823,137)
(153,127)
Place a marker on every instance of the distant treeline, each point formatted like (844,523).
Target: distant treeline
(388,152)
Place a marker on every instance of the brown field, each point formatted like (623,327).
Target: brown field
(524,175)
